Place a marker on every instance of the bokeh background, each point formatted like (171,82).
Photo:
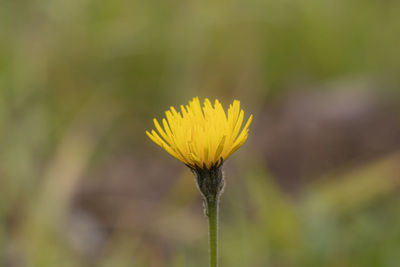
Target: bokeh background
(316,184)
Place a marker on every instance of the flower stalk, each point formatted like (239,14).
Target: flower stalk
(211,184)
(212,214)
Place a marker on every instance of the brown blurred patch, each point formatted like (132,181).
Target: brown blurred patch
(125,195)
(308,133)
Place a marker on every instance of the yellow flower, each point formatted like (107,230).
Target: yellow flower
(201,136)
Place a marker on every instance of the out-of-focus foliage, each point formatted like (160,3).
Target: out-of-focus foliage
(80,81)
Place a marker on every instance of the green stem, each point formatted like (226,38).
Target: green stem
(212,213)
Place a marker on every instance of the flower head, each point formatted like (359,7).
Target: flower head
(201,137)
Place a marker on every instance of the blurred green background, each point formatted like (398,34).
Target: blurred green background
(316,184)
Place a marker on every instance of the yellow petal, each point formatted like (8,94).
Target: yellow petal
(201,135)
